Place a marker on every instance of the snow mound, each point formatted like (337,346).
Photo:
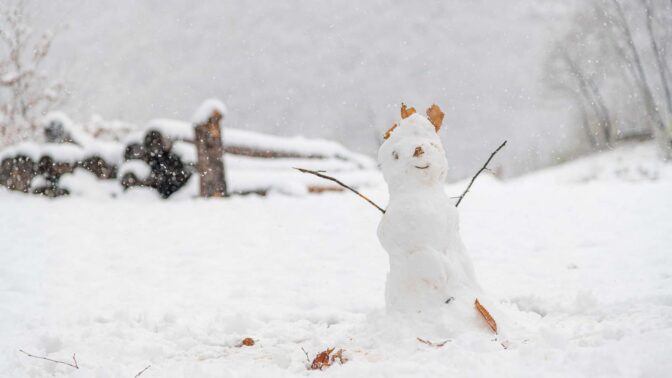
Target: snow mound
(186,151)
(170,128)
(138,168)
(84,183)
(68,153)
(207,108)
(635,162)
(111,152)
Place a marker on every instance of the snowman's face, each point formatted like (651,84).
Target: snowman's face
(413,155)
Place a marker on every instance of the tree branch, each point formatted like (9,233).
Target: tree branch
(142,371)
(485,166)
(56,361)
(318,174)
(460,198)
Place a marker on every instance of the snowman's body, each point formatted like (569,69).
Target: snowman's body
(420,228)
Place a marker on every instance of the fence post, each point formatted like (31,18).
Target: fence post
(210,152)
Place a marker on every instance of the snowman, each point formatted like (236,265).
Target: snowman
(430,270)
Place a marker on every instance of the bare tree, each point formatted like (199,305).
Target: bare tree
(614,62)
(26,91)
(574,71)
(659,53)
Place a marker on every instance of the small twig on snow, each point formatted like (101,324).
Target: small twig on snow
(485,167)
(56,361)
(306,353)
(437,345)
(142,371)
(318,174)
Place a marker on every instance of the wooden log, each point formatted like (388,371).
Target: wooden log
(210,153)
(267,154)
(17,173)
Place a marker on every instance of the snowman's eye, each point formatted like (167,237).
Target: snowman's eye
(395,155)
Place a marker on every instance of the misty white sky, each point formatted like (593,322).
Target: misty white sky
(324,68)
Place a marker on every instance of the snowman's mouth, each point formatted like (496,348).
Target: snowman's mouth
(425,167)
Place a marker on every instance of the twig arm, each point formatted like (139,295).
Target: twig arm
(460,198)
(318,174)
(483,168)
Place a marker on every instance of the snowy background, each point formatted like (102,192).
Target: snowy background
(325,69)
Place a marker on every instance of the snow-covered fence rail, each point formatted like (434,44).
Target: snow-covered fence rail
(164,156)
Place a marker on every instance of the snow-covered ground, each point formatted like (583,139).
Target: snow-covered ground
(580,257)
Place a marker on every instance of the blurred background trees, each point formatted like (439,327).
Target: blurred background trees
(335,71)
(614,63)
(27,91)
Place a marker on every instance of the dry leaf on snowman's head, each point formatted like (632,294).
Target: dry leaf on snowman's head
(486,315)
(406,112)
(388,133)
(435,116)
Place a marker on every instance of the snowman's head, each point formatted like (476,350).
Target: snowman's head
(412,155)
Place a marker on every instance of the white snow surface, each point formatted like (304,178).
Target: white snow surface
(583,267)
(139,168)
(84,183)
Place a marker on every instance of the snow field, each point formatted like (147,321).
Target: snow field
(583,267)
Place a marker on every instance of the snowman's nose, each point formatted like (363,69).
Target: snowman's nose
(418,151)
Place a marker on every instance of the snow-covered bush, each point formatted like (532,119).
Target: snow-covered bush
(167,172)
(27,90)
(38,167)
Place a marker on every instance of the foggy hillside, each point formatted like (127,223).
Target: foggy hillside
(321,68)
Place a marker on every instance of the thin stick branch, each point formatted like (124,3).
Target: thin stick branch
(306,353)
(142,371)
(485,166)
(318,174)
(56,361)
(460,198)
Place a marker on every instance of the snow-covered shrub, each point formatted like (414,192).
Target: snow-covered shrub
(167,172)
(27,91)
(83,182)
(67,147)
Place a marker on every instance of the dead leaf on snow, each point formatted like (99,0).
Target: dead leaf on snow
(339,356)
(248,341)
(486,315)
(325,359)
